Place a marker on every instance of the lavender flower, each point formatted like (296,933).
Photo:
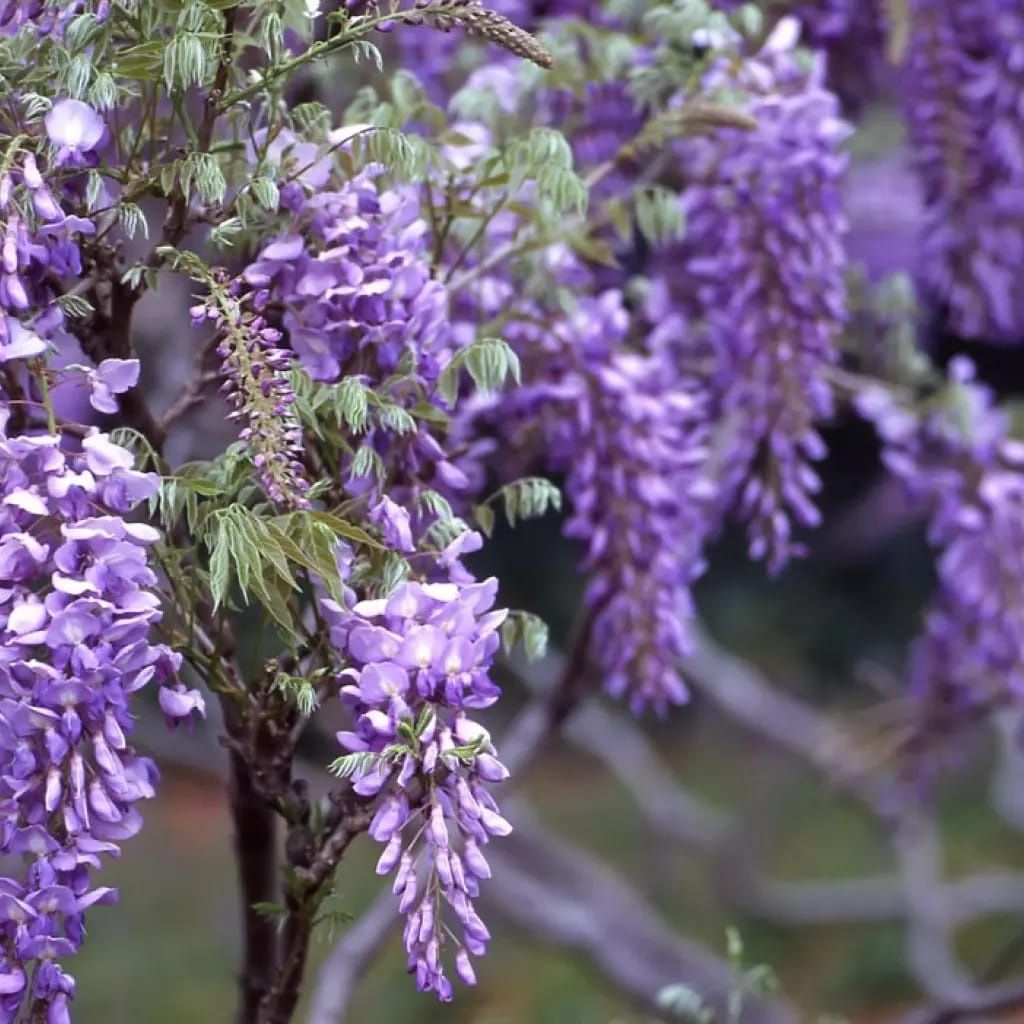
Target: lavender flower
(353,275)
(111,378)
(764,249)
(420,666)
(45,17)
(960,464)
(962,83)
(632,436)
(21,343)
(355,281)
(75,615)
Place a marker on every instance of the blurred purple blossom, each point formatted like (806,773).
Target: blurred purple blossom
(962,84)
(764,250)
(959,464)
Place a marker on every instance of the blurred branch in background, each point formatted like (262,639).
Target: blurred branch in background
(743,694)
(558,891)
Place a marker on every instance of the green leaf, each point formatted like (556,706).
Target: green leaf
(529,498)
(366,463)
(490,362)
(132,218)
(659,215)
(266,192)
(75,306)
(244,550)
(300,691)
(270,911)
(204,170)
(484,516)
(396,419)
(528,629)
(346,766)
(345,529)
(185,61)
(430,413)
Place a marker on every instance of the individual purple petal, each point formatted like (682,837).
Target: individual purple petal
(177,702)
(21,343)
(112,377)
(75,129)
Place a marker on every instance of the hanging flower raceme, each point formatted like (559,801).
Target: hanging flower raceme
(353,277)
(962,84)
(958,461)
(76,609)
(632,437)
(256,383)
(421,662)
(764,248)
(39,240)
(629,429)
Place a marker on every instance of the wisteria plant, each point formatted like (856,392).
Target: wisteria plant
(439,250)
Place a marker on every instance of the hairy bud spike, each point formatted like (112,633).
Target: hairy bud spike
(480,21)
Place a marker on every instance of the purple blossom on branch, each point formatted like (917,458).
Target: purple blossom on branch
(962,83)
(961,466)
(38,247)
(421,662)
(111,378)
(353,278)
(77,604)
(632,436)
(764,251)
(76,130)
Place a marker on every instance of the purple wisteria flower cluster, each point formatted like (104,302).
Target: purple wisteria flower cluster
(851,34)
(77,603)
(353,278)
(647,238)
(360,307)
(420,661)
(632,434)
(765,259)
(958,460)
(962,84)
(40,240)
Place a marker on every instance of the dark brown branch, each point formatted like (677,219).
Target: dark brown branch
(193,394)
(255,853)
(350,817)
